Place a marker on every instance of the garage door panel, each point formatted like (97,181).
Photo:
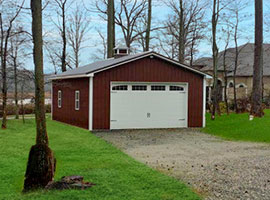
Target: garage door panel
(148,109)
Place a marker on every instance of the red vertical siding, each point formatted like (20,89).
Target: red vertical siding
(67,112)
(146,70)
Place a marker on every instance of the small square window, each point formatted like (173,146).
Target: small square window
(139,87)
(120,88)
(158,87)
(176,88)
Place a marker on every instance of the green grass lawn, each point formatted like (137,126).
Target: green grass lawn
(238,127)
(78,152)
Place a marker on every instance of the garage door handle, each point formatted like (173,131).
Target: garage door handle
(182,119)
(113,120)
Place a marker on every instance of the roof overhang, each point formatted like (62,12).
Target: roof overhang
(150,53)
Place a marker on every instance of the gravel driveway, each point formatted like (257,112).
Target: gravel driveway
(214,168)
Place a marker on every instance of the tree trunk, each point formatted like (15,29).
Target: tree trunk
(148,30)
(4,94)
(22,98)
(4,47)
(110,29)
(192,47)
(16,89)
(64,38)
(235,64)
(41,163)
(225,80)
(215,58)
(256,106)
(181,34)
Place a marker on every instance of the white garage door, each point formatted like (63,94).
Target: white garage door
(148,105)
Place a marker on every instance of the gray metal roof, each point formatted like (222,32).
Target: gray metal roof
(104,64)
(90,68)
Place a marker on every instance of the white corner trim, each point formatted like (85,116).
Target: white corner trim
(204,101)
(187,102)
(90,75)
(90,123)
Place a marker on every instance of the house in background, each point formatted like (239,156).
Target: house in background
(244,72)
(144,90)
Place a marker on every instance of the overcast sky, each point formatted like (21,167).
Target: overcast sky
(160,13)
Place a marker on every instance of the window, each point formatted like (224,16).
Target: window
(59,98)
(230,84)
(241,85)
(139,87)
(158,87)
(120,88)
(176,88)
(77,100)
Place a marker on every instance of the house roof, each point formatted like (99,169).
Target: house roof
(245,61)
(90,69)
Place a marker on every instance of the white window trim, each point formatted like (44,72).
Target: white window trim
(183,91)
(119,90)
(77,100)
(228,86)
(243,84)
(59,99)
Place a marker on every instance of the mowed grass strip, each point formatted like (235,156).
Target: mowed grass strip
(238,127)
(78,152)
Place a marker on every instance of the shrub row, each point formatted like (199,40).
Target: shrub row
(28,109)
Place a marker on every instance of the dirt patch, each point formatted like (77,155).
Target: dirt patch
(214,168)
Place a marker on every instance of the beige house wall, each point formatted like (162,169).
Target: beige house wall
(241,92)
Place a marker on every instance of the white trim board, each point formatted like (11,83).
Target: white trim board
(204,101)
(91,88)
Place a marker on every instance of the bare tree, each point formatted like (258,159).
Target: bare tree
(218,6)
(77,29)
(15,54)
(104,44)
(131,16)
(181,39)
(101,52)
(215,17)
(129,13)
(148,30)
(228,34)
(52,55)
(110,28)
(195,37)
(256,106)
(41,163)
(235,8)
(61,9)
(185,24)
(6,26)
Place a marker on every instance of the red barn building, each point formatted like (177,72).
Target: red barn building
(145,90)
